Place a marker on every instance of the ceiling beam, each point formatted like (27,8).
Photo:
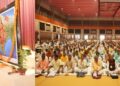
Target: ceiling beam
(116,11)
(109,0)
(98,8)
(99,18)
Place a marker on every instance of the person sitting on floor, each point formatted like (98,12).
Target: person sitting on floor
(69,66)
(64,58)
(112,67)
(82,65)
(55,66)
(97,67)
(42,65)
(117,56)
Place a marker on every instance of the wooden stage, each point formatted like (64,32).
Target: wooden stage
(74,81)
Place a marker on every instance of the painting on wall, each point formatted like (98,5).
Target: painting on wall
(8,39)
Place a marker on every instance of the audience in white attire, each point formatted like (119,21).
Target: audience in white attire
(68,56)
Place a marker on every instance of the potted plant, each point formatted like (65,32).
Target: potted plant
(22,61)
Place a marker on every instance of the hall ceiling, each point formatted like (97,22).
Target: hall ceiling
(86,8)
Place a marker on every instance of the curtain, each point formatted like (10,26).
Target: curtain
(27,16)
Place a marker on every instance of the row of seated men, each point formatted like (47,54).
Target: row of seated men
(71,57)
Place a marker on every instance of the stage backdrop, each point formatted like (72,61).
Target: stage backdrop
(8,43)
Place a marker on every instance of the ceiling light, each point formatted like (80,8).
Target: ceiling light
(78,9)
(61,9)
(73,0)
(69,14)
(96,14)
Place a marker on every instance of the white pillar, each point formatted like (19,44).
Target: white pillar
(113,34)
(98,34)
(82,34)
(74,34)
(52,35)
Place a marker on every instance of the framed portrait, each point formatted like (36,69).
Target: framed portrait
(8,35)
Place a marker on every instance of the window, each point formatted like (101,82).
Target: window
(117,31)
(86,37)
(86,31)
(77,31)
(54,28)
(42,26)
(77,36)
(70,30)
(108,31)
(102,37)
(102,31)
(47,28)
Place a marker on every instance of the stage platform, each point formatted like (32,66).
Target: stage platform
(14,79)
(75,81)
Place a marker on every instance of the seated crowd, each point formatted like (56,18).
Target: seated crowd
(73,57)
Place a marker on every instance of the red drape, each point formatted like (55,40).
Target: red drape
(5,3)
(27,16)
